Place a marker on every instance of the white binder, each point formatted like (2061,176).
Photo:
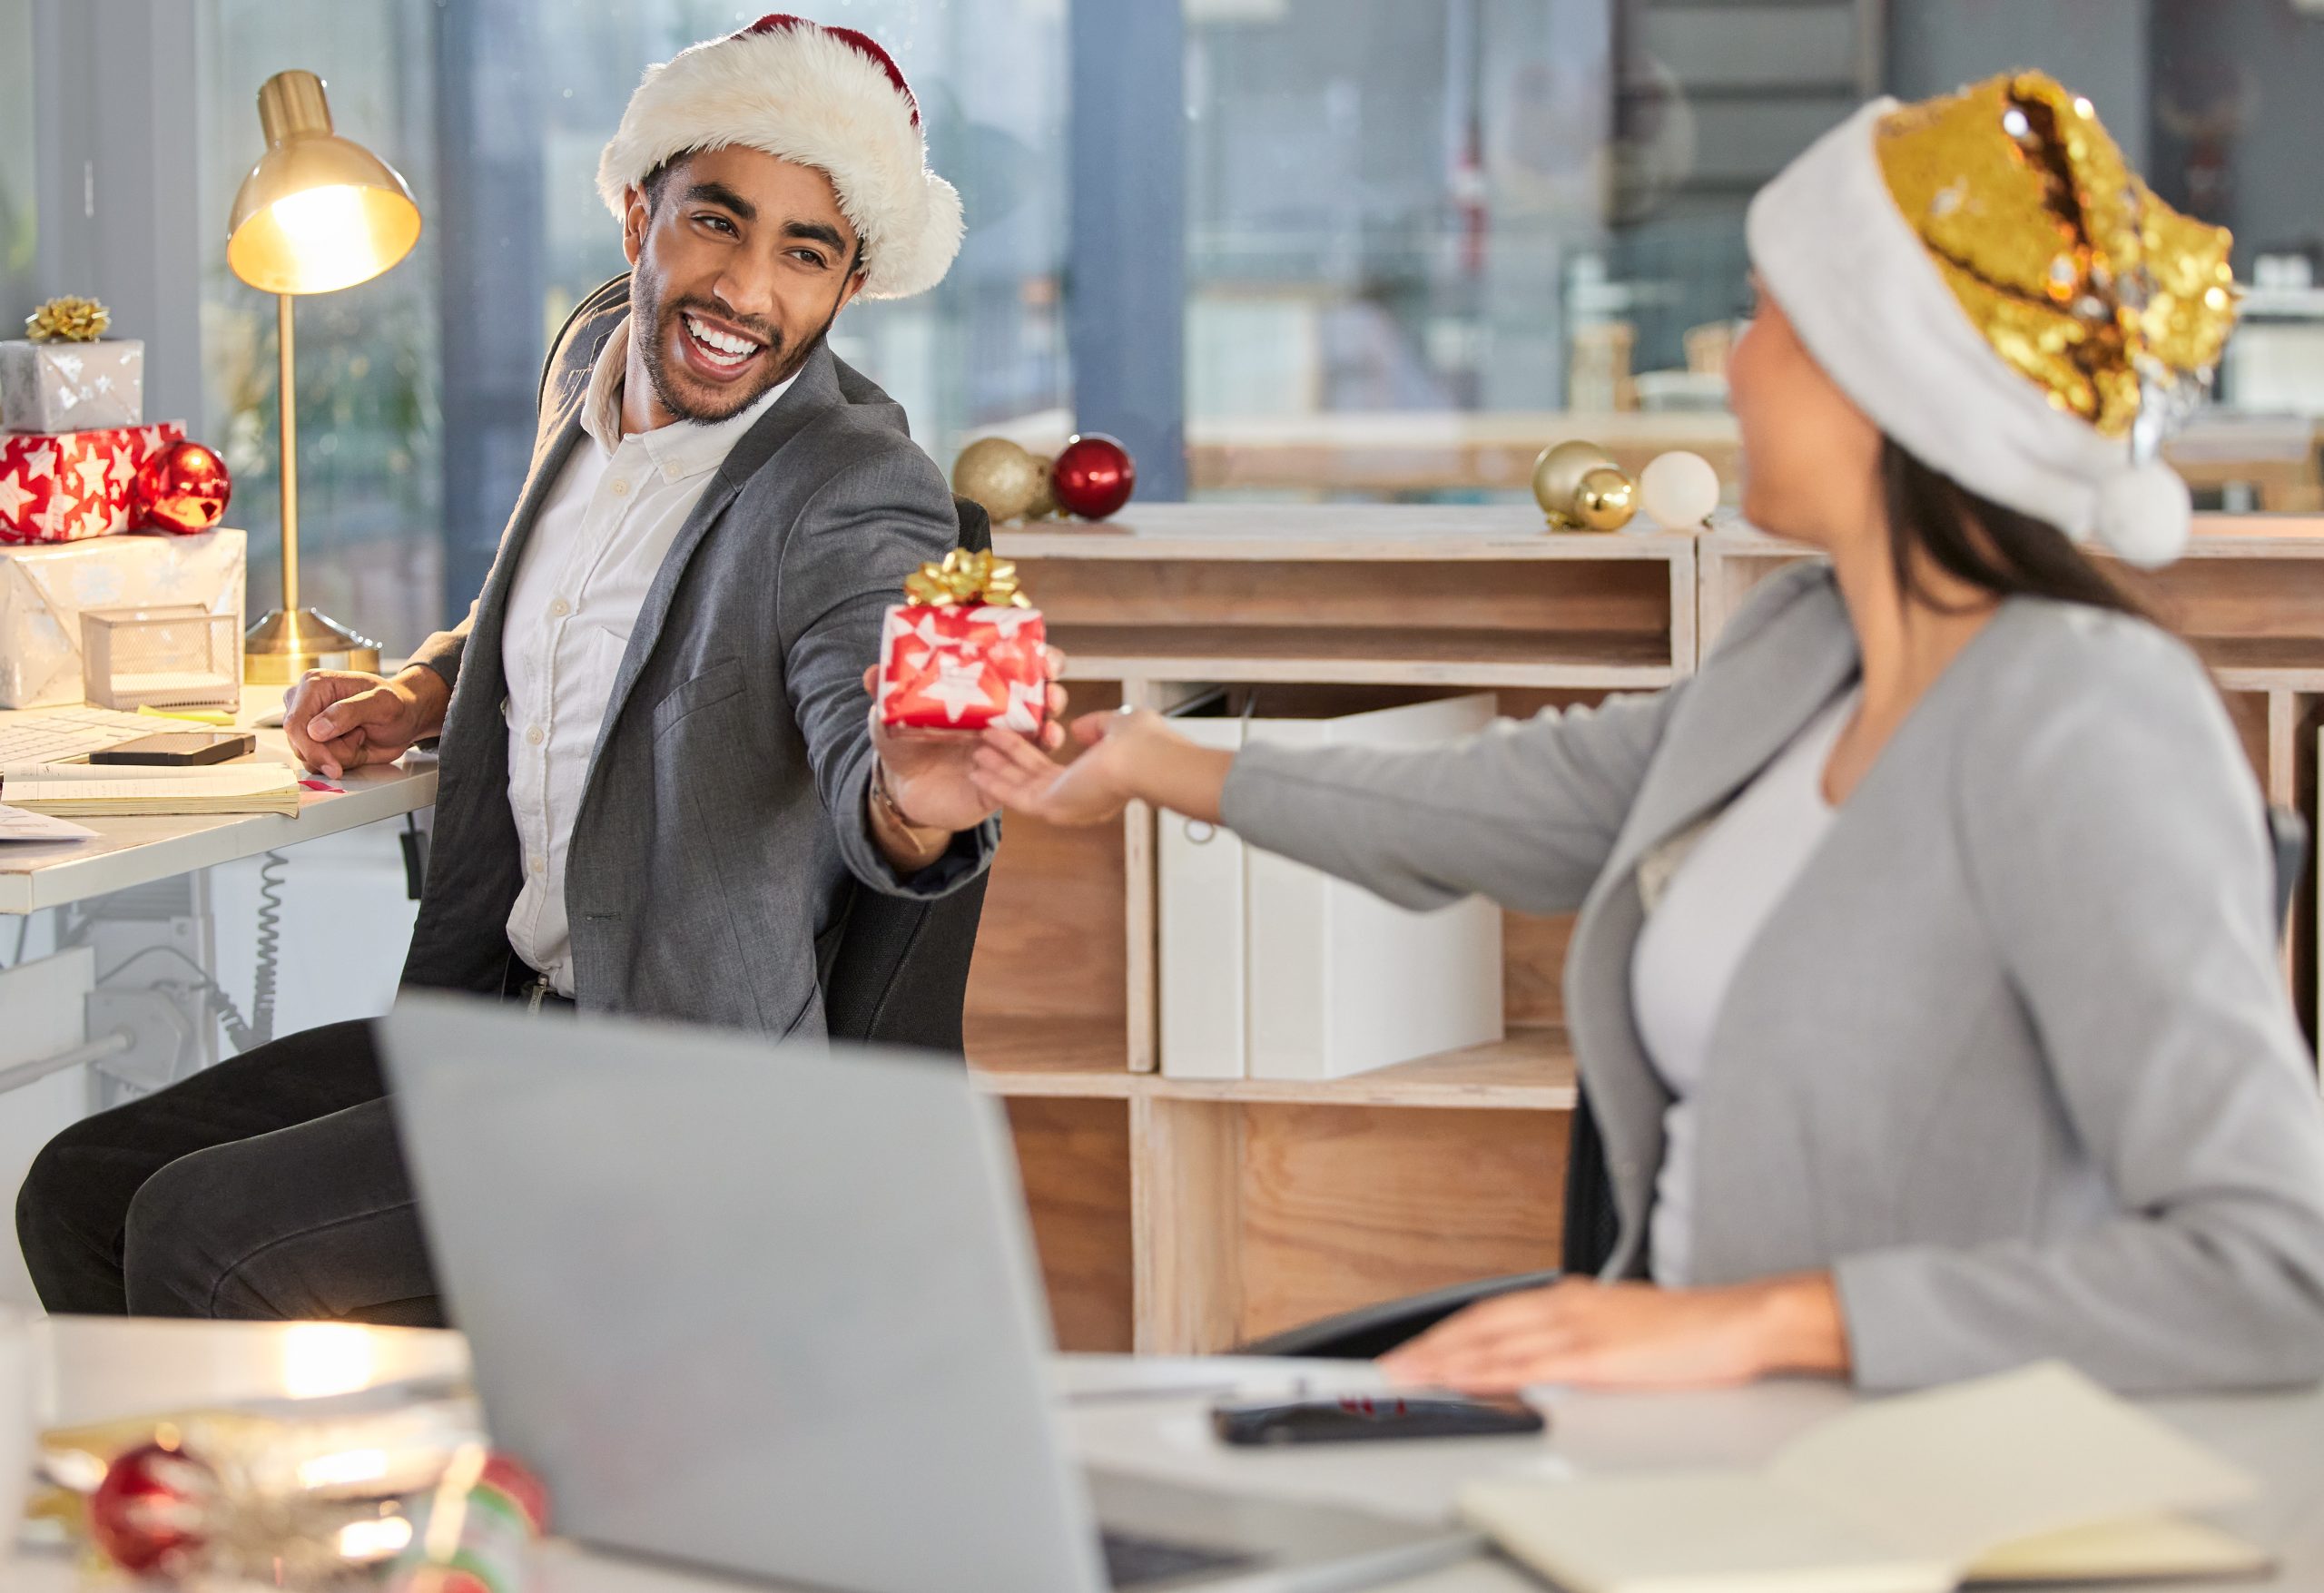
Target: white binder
(1199,912)
(1271,969)
(1342,982)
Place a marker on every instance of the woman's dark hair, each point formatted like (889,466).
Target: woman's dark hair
(1932,517)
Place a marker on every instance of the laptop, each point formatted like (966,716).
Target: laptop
(775,1311)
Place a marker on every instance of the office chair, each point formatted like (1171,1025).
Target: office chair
(1591,1224)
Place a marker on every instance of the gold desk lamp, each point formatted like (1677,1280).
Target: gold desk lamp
(316,214)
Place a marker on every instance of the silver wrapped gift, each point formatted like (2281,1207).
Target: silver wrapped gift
(72,386)
(44,587)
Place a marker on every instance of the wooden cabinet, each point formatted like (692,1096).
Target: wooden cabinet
(1182,1215)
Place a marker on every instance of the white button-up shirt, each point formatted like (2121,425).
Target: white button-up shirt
(594,551)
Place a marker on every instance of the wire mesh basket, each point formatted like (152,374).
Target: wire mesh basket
(172,656)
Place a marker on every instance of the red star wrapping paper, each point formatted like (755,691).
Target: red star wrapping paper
(62,486)
(952,666)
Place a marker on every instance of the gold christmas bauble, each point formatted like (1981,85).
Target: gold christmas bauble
(999,475)
(1044,505)
(1557,478)
(1605,500)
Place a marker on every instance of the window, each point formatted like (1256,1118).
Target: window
(18,292)
(416,390)
(1424,233)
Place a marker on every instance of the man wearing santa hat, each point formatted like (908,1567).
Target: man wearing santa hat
(660,785)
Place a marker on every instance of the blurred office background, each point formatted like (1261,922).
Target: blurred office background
(1286,248)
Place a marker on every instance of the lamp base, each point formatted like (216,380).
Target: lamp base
(282,646)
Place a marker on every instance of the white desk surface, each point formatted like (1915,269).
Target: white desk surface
(92,1370)
(140,849)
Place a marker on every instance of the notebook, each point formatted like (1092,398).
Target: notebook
(2038,1476)
(94,790)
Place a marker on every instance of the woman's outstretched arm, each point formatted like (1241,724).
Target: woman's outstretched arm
(1525,812)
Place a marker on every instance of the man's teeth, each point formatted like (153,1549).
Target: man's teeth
(733,347)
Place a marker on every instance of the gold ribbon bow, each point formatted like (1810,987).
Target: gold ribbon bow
(68,320)
(967,578)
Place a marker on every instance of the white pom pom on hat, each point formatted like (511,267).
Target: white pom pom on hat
(2143,515)
(825,97)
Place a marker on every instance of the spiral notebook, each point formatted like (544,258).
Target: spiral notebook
(97,791)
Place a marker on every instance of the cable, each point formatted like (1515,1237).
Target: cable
(242,1034)
(269,944)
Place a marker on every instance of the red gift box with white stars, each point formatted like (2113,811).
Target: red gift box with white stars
(64,486)
(958,666)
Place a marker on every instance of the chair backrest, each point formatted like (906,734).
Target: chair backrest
(1591,1224)
(900,975)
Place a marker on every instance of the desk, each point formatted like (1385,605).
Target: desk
(98,1368)
(140,849)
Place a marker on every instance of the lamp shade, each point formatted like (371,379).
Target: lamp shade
(318,212)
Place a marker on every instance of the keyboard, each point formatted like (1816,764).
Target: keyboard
(53,735)
(1133,1560)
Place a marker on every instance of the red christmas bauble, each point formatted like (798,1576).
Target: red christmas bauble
(146,1511)
(184,489)
(1094,476)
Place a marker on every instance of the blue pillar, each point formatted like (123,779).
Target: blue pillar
(488,244)
(1126,273)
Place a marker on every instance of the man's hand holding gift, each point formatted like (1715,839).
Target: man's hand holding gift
(965,653)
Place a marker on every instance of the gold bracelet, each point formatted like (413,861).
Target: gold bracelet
(924,838)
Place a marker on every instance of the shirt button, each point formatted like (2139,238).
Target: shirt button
(621,489)
(560,608)
(533,735)
(540,864)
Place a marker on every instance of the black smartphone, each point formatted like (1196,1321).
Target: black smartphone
(180,747)
(1355,1417)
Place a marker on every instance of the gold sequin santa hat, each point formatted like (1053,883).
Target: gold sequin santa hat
(1989,282)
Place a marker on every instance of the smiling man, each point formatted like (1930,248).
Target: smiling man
(661,786)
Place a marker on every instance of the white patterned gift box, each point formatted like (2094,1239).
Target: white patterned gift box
(44,589)
(72,386)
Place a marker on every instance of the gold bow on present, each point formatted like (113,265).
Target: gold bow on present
(68,320)
(967,578)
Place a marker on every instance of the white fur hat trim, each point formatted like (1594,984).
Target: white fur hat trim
(802,93)
(1854,278)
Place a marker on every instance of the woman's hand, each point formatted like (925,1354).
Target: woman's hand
(1095,787)
(1631,1335)
(930,772)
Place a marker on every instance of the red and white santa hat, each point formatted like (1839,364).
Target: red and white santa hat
(826,97)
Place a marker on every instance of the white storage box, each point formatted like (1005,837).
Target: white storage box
(1271,969)
(44,587)
(170,656)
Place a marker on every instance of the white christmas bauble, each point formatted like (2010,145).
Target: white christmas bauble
(1679,491)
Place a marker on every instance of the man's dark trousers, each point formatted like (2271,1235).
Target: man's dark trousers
(171,1206)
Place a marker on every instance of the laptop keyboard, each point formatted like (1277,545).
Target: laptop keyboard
(52,735)
(1136,1561)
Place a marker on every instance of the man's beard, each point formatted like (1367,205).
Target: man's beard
(648,309)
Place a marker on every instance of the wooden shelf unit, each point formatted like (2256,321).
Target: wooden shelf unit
(1179,1214)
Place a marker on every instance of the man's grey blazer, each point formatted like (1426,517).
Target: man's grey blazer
(722,825)
(2012,1059)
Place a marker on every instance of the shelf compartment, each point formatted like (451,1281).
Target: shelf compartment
(1443,656)
(1532,1070)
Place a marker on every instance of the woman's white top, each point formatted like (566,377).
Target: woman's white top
(1696,937)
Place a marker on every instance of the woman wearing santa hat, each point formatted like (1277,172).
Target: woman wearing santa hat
(1926,985)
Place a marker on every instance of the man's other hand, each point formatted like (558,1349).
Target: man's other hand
(339,719)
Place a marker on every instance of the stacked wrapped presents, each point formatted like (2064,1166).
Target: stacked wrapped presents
(81,468)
